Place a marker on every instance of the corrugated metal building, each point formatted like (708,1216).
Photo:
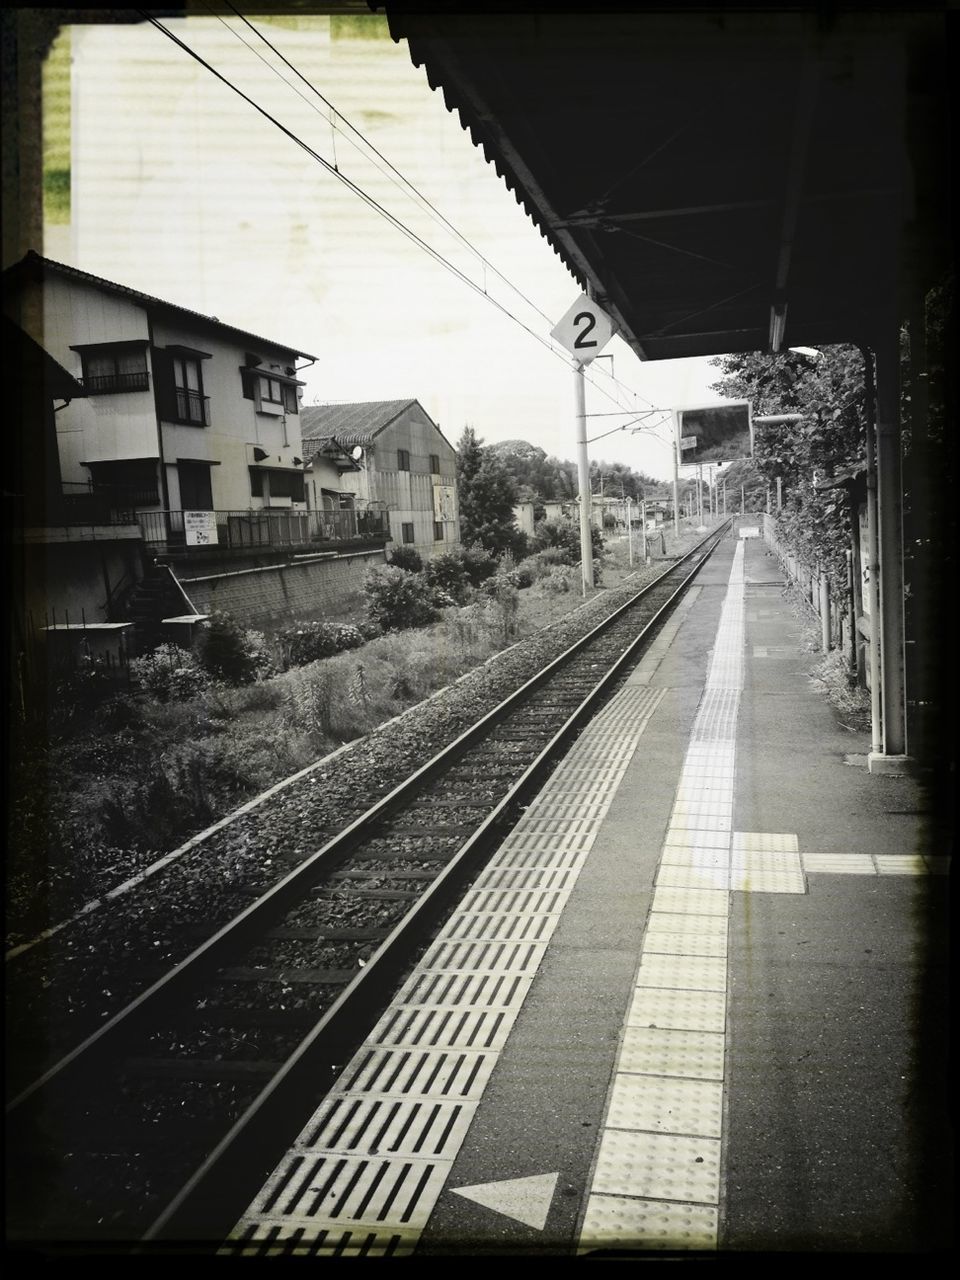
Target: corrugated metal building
(404,464)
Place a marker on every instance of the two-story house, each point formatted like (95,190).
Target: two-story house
(402,464)
(189,423)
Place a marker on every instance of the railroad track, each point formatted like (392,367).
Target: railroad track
(163,1123)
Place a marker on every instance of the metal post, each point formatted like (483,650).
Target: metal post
(851,609)
(643,528)
(630,529)
(724,495)
(743,500)
(891,551)
(583,473)
(873,561)
(824,612)
(676,477)
(779,493)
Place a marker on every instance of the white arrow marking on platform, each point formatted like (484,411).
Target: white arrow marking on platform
(525,1199)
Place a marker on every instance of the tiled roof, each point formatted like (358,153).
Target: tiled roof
(34,261)
(356,423)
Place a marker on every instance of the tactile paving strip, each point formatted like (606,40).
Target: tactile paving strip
(621,1223)
(658,1166)
(659,1104)
(657,1177)
(365,1173)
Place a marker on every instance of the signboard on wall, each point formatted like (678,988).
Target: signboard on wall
(444,502)
(714,433)
(200,528)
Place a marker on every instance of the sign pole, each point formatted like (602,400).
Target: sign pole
(676,475)
(583,474)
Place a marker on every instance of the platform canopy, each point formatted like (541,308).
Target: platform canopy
(723,181)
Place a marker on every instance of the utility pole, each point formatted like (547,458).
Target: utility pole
(583,474)
(630,530)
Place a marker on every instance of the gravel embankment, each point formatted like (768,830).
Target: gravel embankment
(63,989)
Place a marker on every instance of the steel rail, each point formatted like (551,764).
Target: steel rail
(244,1158)
(338,1024)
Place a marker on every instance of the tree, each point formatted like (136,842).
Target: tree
(829,392)
(488,494)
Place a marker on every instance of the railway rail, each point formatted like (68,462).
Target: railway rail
(163,1123)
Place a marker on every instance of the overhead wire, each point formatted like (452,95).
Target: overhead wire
(410,186)
(369,200)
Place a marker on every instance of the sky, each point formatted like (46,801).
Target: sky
(181,189)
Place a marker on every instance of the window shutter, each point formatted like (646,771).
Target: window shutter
(164,384)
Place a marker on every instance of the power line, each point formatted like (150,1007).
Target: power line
(369,200)
(403,179)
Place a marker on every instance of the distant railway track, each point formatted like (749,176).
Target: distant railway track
(163,1122)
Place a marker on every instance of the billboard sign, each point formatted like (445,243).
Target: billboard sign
(714,433)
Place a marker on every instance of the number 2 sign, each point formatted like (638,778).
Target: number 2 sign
(585,330)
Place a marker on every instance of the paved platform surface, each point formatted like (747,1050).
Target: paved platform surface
(698,1004)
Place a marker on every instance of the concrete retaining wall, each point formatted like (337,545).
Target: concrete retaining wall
(276,595)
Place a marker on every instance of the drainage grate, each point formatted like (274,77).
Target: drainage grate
(445,1028)
(425,1128)
(432,1073)
(260,1239)
(497,927)
(533,901)
(484,990)
(518,957)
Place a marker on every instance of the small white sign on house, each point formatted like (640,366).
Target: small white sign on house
(444,502)
(200,528)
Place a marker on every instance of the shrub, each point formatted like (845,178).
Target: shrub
(478,563)
(559,580)
(307,641)
(229,653)
(531,568)
(447,576)
(169,673)
(408,558)
(566,534)
(397,599)
(505,598)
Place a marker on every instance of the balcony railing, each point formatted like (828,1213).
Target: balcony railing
(267,529)
(193,407)
(108,383)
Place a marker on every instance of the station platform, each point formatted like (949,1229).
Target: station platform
(697,1003)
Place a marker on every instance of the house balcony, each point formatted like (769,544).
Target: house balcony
(264,530)
(111,383)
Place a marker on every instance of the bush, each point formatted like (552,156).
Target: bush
(478,563)
(307,641)
(397,599)
(566,534)
(559,580)
(447,576)
(531,568)
(407,558)
(230,653)
(169,673)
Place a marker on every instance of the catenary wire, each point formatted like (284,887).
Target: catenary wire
(371,202)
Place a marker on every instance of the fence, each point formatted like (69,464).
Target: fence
(247,530)
(833,607)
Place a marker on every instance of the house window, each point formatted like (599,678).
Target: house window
(270,392)
(408,531)
(110,368)
(438,530)
(191,403)
(128,484)
(403,462)
(435,464)
(280,484)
